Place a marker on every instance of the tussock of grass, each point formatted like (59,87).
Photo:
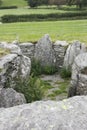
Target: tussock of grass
(4,52)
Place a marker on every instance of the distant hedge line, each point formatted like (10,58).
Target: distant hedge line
(8,7)
(42,17)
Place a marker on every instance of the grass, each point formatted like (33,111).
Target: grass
(37,69)
(33,31)
(4,52)
(19,3)
(29,11)
(62,89)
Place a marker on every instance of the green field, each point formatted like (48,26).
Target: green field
(32,31)
(19,3)
(30,11)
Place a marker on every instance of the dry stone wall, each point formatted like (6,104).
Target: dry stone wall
(46,52)
(28,49)
(59,49)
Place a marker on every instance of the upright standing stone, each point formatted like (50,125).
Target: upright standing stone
(73,50)
(44,51)
(78,84)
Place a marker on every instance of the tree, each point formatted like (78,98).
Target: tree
(35,3)
(57,2)
(80,3)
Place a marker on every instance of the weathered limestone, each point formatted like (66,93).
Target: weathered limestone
(79,76)
(59,48)
(28,49)
(14,49)
(12,66)
(73,50)
(9,98)
(44,51)
(70,114)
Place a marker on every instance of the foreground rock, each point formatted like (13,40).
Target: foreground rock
(9,97)
(79,76)
(70,114)
(73,50)
(44,52)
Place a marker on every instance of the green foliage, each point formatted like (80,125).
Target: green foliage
(42,17)
(8,7)
(80,3)
(35,3)
(32,88)
(38,69)
(65,73)
(62,89)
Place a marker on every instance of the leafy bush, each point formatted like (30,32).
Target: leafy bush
(43,17)
(32,88)
(8,7)
(65,73)
(38,69)
(35,3)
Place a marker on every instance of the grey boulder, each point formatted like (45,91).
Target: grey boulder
(12,67)
(44,52)
(70,114)
(14,49)
(72,52)
(9,97)
(78,84)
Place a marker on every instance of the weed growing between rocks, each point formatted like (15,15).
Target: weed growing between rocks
(65,73)
(35,88)
(32,88)
(61,90)
(37,69)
